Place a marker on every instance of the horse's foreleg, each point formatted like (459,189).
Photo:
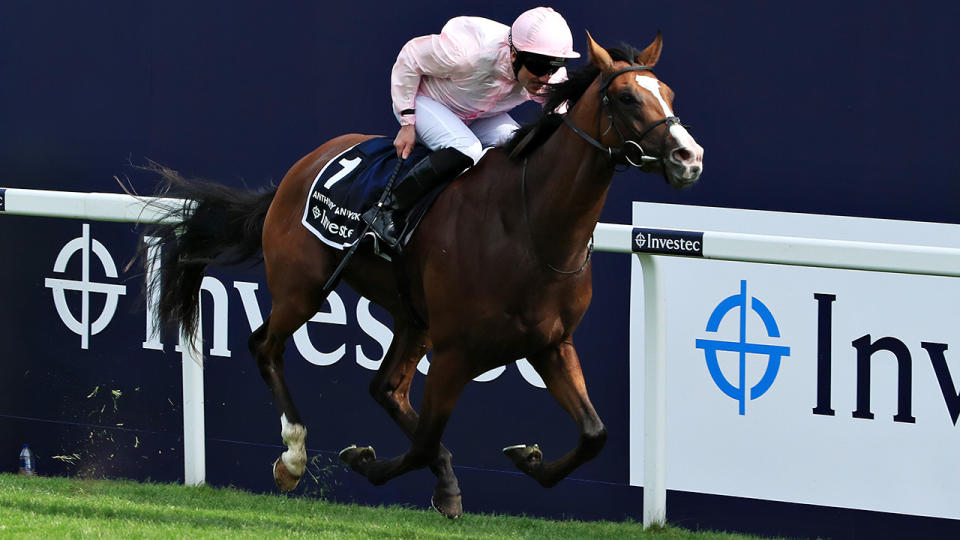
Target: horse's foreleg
(267,347)
(560,370)
(390,387)
(446,380)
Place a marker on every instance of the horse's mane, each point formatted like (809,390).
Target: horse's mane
(570,91)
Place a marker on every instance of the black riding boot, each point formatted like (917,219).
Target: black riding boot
(441,165)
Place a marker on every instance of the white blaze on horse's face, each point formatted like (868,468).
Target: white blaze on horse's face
(686,160)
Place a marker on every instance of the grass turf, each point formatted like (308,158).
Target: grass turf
(38,507)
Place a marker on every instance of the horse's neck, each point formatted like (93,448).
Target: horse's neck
(566,183)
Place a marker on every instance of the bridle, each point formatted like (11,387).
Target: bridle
(618,155)
(621,154)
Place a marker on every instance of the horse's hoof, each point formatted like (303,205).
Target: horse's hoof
(449,506)
(526,457)
(284,479)
(357,458)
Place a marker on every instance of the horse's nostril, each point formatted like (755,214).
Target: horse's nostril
(681,155)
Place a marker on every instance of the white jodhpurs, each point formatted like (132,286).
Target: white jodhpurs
(437,127)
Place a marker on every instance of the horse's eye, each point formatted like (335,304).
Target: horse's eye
(627,99)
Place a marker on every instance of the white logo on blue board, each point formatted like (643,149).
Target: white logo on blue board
(773,353)
(85,245)
(641,240)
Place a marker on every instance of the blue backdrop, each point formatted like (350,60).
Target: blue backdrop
(824,107)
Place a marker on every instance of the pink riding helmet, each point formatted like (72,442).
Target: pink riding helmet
(543,31)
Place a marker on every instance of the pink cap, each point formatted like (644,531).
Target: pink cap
(543,31)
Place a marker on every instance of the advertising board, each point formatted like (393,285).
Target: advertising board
(808,385)
(93,383)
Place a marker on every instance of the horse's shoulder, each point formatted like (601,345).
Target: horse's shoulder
(481,194)
(492,169)
(495,177)
(477,183)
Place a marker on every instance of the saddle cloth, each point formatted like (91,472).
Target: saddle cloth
(350,184)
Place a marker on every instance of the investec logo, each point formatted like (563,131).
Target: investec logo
(865,347)
(84,246)
(219,296)
(666,242)
(771,353)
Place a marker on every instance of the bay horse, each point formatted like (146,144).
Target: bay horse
(498,270)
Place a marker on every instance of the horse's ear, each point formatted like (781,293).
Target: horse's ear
(651,54)
(598,55)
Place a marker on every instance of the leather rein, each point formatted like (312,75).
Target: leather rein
(620,155)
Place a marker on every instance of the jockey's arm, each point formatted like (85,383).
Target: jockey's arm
(432,56)
(405,140)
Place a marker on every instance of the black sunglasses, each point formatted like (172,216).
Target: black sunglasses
(540,65)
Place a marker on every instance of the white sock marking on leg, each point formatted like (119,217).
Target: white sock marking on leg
(294,436)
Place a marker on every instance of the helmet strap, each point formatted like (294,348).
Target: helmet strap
(516,56)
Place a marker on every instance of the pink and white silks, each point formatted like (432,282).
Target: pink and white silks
(461,84)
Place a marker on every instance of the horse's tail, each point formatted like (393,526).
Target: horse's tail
(217,225)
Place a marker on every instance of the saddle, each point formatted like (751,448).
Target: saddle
(353,182)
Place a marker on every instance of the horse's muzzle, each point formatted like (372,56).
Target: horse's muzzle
(684,165)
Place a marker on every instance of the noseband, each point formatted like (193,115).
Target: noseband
(619,154)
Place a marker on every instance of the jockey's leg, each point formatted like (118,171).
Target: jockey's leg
(438,127)
(388,221)
(455,149)
(494,131)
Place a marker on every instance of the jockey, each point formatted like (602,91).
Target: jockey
(451,91)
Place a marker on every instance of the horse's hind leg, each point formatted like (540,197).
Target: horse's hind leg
(295,290)
(267,348)
(559,368)
(390,387)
